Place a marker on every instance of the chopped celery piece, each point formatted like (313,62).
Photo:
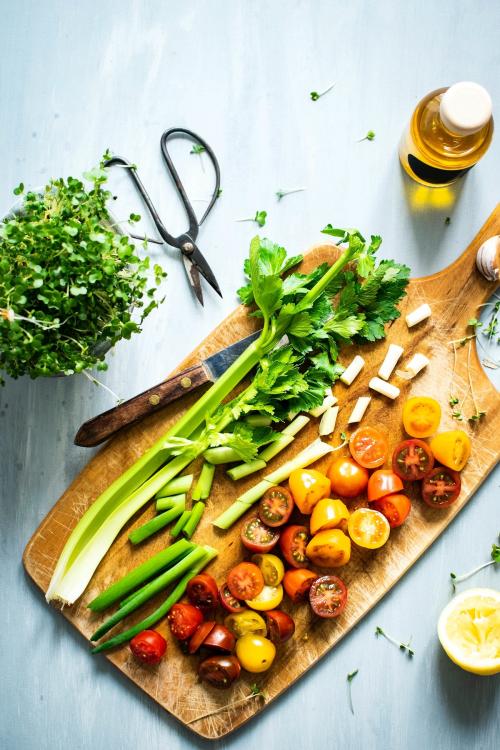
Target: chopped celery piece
(243,470)
(276,447)
(164,503)
(177,486)
(180,524)
(204,483)
(194,519)
(158,522)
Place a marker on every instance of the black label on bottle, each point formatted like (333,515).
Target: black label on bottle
(433,175)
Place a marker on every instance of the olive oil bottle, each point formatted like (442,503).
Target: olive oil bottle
(449,131)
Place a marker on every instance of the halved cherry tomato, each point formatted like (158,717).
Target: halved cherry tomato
(245,622)
(199,635)
(271,567)
(269,598)
(220,638)
(228,601)
(452,449)
(329,514)
(202,591)
(330,548)
(183,620)
(368,528)
(441,488)
(369,447)
(255,653)
(293,543)
(257,537)
(421,416)
(383,482)
(328,596)
(148,647)
(297,583)
(412,460)
(245,581)
(308,486)
(347,477)
(276,506)
(394,507)
(219,671)
(280,626)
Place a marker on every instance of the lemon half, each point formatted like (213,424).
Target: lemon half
(469,631)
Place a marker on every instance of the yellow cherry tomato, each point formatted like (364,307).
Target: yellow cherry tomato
(452,449)
(329,514)
(269,598)
(421,416)
(330,548)
(271,567)
(241,623)
(307,487)
(255,653)
(368,528)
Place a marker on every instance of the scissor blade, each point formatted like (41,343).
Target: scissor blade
(193,278)
(205,270)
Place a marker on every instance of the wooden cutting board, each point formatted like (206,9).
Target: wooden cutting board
(454,295)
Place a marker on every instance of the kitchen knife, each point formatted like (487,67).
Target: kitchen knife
(100,428)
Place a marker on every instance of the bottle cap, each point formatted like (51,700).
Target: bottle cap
(465,108)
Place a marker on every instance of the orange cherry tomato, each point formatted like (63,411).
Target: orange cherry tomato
(348,478)
(421,416)
(329,514)
(307,487)
(383,482)
(394,507)
(297,583)
(330,548)
(368,447)
(368,528)
(452,449)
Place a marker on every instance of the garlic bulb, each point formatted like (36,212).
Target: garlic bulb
(488,258)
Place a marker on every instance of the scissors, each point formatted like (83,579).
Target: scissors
(194,262)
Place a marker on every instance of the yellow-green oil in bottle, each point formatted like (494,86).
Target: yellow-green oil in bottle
(449,131)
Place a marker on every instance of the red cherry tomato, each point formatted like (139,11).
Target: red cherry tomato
(220,638)
(202,591)
(228,601)
(441,488)
(368,447)
(245,581)
(383,482)
(297,583)
(219,671)
(276,506)
(280,626)
(183,620)
(293,543)
(199,635)
(328,596)
(394,507)
(257,537)
(412,460)
(348,478)
(148,647)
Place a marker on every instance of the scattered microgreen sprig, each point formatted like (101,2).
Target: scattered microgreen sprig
(197,149)
(315,95)
(280,194)
(259,218)
(255,692)
(370,136)
(350,678)
(406,647)
(495,559)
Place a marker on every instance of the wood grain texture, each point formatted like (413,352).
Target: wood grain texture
(454,295)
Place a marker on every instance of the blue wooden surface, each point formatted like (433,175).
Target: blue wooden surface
(76,78)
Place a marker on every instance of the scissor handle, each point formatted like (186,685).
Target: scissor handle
(194,223)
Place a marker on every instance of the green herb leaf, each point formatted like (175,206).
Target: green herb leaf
(197,149)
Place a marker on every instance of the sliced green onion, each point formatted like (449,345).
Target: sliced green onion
(158,614)
(157,523)
(309,455)
(150,590)
(140,574)
(164,503)
(221,455)
(180,524)
(243,470)
(193,520)
(204,483)
(276,447)
(177,486)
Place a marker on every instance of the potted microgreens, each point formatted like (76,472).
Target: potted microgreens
(70,280)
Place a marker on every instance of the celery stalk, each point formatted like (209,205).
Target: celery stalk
(176,486)
(158,522)
(243,470)
(221,455)
(194,519)
(296,425)
(204,483)
(173,597)
(180,524)
(165,503)
(275,447)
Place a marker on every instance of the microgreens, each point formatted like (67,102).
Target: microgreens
(282,193)
(259,218)
(255,692)
(495,559)
(402,646)
(315,95)
(370,136)
(197,149)
(350,678)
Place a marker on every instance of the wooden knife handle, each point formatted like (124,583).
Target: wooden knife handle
(100,428)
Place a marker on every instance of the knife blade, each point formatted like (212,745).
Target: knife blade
(98,429)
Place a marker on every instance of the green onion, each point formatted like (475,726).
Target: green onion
(221,455)
(140,574)
(179,485)
(164,503)
(150,590)
(158,614)
(309,455)
(157,523)
(204,483)
(180,524)
(243,470)
(194,519)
